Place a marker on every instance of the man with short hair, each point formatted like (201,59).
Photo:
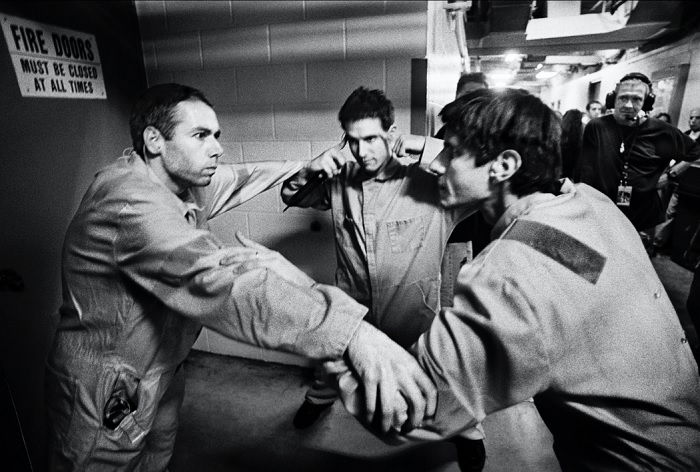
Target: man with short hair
(390,234)
(563,306)
(594,109)
(142,273)
(624,155)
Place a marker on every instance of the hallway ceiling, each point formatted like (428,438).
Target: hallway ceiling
(498,44)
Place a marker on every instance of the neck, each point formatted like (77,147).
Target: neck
(155,164)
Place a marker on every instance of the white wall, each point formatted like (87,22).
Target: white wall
(277,74)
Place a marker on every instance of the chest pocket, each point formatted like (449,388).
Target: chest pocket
(406,235)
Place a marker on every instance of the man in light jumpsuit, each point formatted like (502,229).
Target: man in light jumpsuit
(390,234)
(142,274)
(563,305)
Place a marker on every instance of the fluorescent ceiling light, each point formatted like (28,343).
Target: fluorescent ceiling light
(546,74)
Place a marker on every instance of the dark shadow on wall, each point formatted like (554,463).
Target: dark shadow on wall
(51,149)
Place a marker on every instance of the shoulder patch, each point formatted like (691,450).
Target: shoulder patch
(568,251)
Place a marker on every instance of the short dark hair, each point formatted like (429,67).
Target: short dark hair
(489,123)
(472,77)
(366,103)
(588,106)
(156,107)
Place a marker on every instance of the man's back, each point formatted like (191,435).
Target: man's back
(565,307)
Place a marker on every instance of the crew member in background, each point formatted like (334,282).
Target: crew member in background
(142,274)
(563,306)
(624,155)
(594,109)
(390,234)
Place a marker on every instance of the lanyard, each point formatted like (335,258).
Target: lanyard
(625,156)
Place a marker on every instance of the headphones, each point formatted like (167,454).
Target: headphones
(648,104)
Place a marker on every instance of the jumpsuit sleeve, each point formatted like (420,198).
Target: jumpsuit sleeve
(484,354)
(318,198)
(234,184)
(159,252)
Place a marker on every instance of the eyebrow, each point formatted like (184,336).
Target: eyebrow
(202,129)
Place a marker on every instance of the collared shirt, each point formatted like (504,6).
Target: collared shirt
(390,234)
(129,259)
(565,306)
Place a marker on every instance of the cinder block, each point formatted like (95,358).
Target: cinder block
(306,122)
(334,81)
(225,226)
(404,6)
(247,13)
(402,117)
(219,85)
(271,83)
(233,153)
(266,202)
(151,16)
(158,77)
(398,79)
(178,52)
(246,123)
(232,47)
(307,41)
(276,151)
(387,36)
(316,10)
(305,237)
(199,15)
(317,147)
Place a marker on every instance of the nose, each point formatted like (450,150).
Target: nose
(216,150)
(361,148)
(438,165)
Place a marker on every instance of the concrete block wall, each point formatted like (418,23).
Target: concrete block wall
(277,73)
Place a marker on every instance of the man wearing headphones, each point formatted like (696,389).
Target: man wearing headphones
(624,154)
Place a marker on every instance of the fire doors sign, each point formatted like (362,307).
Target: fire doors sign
(53,62)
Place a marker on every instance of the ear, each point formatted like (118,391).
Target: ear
(153,140)
(505,165)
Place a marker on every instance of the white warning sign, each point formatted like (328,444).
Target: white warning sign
(53,62)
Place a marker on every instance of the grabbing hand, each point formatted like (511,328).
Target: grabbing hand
(395,387)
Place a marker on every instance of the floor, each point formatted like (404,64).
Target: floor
(237,417)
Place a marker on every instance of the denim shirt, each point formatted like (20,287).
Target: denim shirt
(390,235)
(576,317)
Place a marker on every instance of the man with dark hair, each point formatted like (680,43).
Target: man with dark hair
(469,82)
(563,306)
(390,234)
(594,109)
(624,155)
(142,273)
